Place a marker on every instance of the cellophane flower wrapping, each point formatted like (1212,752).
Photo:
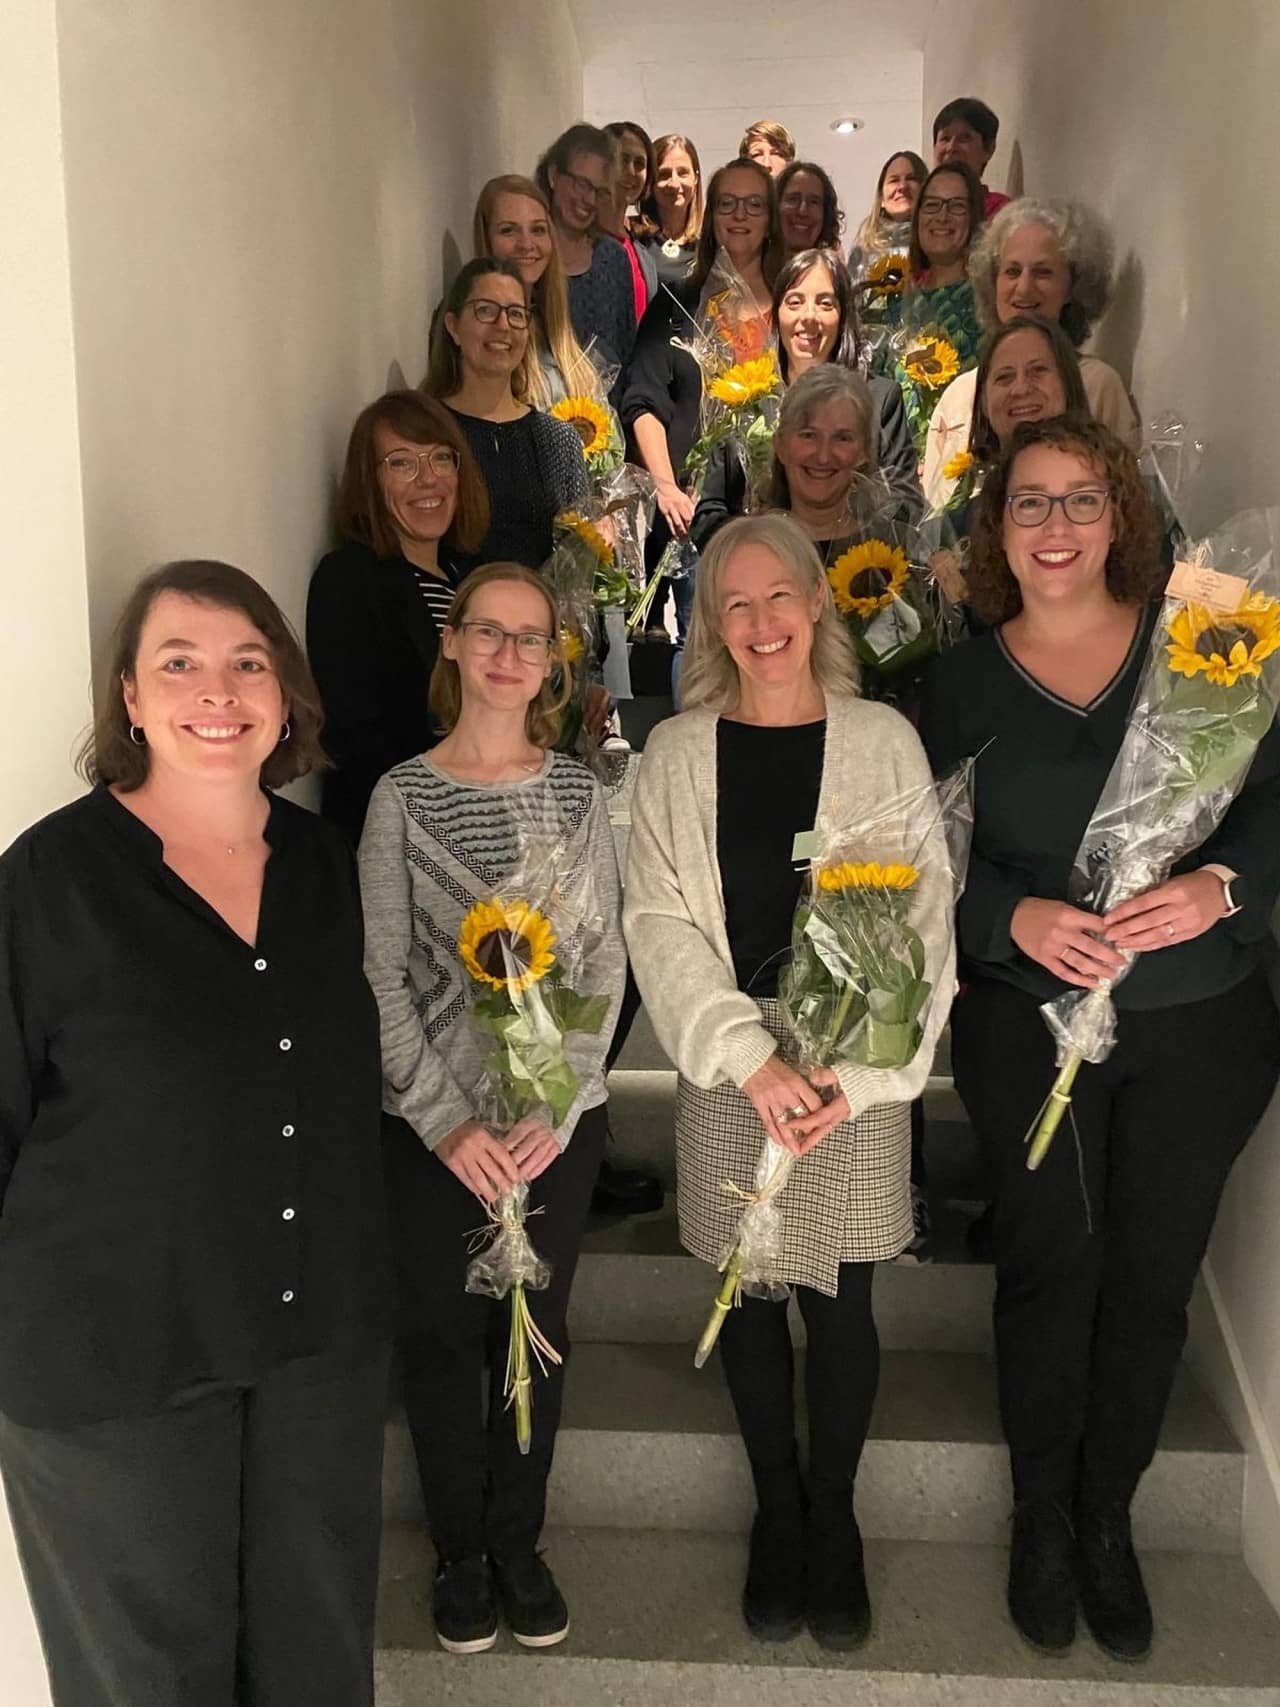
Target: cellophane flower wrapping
(879,579)
(1170,460)
(936,340)
(733,343)
(861,977)
(856,992)
(1207,696)
(527,948)
(879,281)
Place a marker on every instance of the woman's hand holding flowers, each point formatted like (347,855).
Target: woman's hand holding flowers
(1061,939)
(783,1098)
(532,1146)
(1177,911)
(481,1161)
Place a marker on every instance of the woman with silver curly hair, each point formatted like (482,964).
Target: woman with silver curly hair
(1050,260)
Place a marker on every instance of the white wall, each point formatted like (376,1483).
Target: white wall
(260,204)
(1162,114)
(714,99)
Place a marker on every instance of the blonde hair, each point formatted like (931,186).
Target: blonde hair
(709,678)
(542,717)
(548,300)
(772,131)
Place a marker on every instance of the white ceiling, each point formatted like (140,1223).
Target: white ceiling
(668,31)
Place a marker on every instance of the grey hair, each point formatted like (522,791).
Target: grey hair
(826,382)
(1086,243)
(709,678)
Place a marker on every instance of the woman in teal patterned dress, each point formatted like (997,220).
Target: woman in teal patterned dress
(938,334)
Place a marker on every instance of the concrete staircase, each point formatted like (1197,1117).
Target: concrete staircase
(650,1501)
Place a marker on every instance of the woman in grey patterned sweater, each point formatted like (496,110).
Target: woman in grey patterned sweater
(443,831)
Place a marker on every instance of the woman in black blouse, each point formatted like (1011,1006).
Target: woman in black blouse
(1096,1253)
(674,208)
(813,311)
(661,402)
(411,497)
(532,465)
(193,1285)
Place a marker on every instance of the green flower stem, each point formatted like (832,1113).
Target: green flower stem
(726,1298)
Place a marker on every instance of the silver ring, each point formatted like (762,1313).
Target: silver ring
(1168,930)
(794,1113)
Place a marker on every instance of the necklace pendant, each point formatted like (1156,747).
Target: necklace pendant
(671,249)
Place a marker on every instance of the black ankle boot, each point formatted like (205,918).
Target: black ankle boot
(1112,1593)
(1042,1581)
(837,1606)
(773,1596)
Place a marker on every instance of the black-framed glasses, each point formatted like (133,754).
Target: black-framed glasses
(753,204)
(487,639)
(488,312)
(1083,507)
(956,206)
(584,186)
(406,465)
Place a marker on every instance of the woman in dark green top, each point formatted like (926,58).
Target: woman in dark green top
(1097,1252)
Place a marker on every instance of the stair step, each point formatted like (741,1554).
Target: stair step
(648,1441)
(656,1622)
(634,1283)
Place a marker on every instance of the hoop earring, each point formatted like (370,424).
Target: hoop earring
(285,733)
(137,734)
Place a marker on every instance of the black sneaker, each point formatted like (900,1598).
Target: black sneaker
(532,1604)
(625,1191)
(837,1605)
(773,1595)
(462,1604)
(1042,1579)
(1112,1592)
(918,1251)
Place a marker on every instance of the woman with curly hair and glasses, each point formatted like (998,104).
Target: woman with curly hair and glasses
(1095,1253)
(1042,260)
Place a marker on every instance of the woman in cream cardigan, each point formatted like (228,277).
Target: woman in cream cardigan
(775,739)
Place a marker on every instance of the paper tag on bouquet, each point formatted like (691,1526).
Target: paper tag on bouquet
(893,628)
(1201,584)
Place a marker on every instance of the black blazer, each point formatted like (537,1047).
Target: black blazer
(724,492)
(372,644)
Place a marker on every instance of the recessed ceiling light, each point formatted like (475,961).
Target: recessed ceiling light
(846,125)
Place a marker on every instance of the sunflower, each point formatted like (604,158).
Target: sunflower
(588,420)
(570,646)
(932,363)
(868,578)
(745,382)
(887,274)
(572,521)
(837,878)
(957,466)
(1223,647)
(506,944)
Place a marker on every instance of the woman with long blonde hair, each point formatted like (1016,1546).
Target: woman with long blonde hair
(513,222)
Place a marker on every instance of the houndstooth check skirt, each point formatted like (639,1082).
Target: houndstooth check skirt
(848,1200)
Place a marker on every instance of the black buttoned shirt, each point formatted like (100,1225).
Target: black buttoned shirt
(190,1182)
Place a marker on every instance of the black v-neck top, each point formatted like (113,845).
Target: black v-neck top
(190,1179)
(1036,785)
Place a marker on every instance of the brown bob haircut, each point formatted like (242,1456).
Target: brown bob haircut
(542,720)
(917,260)
(361,512)
(109,755)
(1135,570)
(772,131)
(983,442)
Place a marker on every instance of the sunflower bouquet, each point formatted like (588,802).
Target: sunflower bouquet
(879,289)
(524,948)
(1207,696)
(733,346)
(879,590)
(856,991)
(933,345)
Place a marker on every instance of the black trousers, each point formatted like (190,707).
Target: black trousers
(481,1495)
(1097,1252)
(224,1551)
(842,1371)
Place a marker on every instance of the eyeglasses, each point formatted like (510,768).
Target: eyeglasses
(406,465)
(754,205)
(954,205)
(488,312)
(1033,509)
(585,187)
(486,640)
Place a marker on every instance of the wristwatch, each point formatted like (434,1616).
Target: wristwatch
(1229,879)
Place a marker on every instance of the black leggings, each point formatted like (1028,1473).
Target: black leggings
(842,1370)
(480,1493)
(1096,1253)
